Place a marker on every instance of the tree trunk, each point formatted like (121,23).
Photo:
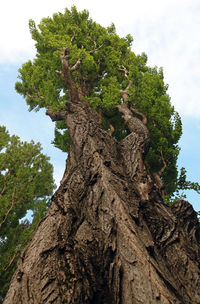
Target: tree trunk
(102,240)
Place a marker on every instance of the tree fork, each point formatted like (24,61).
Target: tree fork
(67,72)
(99,242)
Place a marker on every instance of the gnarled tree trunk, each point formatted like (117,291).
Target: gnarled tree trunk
(104,239)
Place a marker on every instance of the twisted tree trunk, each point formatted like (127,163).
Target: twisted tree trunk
(103,240)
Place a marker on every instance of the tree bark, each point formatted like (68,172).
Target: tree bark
(102,240)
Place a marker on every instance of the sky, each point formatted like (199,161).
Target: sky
(167,31)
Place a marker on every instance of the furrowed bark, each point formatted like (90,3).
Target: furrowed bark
(102,241)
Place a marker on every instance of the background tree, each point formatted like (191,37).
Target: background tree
(26,183)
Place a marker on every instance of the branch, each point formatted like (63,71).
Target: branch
(64,59)
(76,66)
(6,176)
(124,93)
(100,115)
(67,72)
(164,165)
(11,261)
(72,38)
(144,118)
(3,190)
(65,50)
(124,69)
(10,209)
(111,130)
(57,115)
(38,95)
(157,176)
(59,72)
(96,48)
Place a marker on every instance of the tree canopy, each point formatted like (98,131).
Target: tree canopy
(26,183)
(78,59)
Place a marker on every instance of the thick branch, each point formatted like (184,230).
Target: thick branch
(111,130)
(164,165)
(144,118)
(57,115)
(157,175)
(67,72)
(134,124)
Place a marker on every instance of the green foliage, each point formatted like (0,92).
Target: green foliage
(98,48)
(62,138)
(182,184)
(103,65)
(149,95)
(26,183)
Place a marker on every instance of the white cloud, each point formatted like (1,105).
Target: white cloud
(167,30)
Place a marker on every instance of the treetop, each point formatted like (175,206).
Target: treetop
(79,60)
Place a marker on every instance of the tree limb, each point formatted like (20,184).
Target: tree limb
(67,72)
(72,38)
(157,176)
(10,209)
(37,94)
(3,190)
(144,118)
(11,261)
(164,165)
(124,69)
(124,93)
(100,114)
(59,72)
(96,48)
(111,130)
(57,115)
(76,66)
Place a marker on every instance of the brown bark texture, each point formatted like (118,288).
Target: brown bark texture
(108,238)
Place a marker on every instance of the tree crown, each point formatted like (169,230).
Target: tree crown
(78,59)
(26,183)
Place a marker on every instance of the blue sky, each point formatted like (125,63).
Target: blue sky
(167,31)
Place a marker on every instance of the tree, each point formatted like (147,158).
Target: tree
(26,183)
(108,237)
